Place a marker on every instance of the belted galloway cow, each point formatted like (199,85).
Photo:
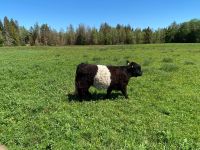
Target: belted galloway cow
(104,77)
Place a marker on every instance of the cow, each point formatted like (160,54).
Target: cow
(104,77)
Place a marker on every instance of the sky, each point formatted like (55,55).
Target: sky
(138,13)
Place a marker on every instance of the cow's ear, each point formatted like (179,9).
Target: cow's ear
(128,63)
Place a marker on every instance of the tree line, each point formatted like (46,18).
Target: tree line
(12,34)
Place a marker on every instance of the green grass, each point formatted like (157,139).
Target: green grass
(162,112)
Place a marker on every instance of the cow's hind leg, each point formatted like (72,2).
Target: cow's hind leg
(109,90)
(83,90)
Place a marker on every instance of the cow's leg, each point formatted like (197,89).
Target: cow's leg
(124,91)
(83,92)
(87,92)
(82,89)
(80,93)
(109,90)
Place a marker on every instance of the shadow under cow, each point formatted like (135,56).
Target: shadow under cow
(93,97)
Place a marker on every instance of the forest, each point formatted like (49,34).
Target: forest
(13,34)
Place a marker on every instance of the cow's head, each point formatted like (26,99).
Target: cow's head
(134,69)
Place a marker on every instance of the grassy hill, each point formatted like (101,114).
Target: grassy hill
(162,112)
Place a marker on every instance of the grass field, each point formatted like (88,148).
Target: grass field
(162,112)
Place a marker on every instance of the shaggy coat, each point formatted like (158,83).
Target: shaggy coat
(104,77)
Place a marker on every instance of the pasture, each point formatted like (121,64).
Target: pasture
(162,112)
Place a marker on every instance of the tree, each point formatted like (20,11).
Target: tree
(81,35)
(14,32)
(115,36)
(61,37)
(94,36)
(8,41)
(1,39)
(1,33)
(121,34)
(171,33)
(1,26)
(189,32)
(52,37)
(158,36)
(70,35)
(24,36)
(88,35)
(147,35)
(35,35)
(45,33)
(129,35)
(138,36)
(105,35)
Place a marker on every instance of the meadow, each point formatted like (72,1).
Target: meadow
(162,112)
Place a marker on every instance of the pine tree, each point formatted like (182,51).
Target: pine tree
(115,38)
(94,36)
(61,38)
(158,36)
(147,35)
(52,37)
(105,34)
(1,39)
(24,36)
(88,35)
(138,36)
(1,26)
(81,35)
(14,32)
(8,40)
(1,34)
(34,35)
(171,33)
(70,35)
(129,35)
(121,34)
(45,32)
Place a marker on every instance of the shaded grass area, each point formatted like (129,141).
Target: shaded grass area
(37,110)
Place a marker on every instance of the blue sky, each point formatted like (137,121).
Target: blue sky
(138,13)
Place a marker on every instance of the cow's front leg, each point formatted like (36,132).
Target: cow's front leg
(124,91)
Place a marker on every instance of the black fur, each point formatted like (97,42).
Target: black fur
(120,76)
(85,74)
